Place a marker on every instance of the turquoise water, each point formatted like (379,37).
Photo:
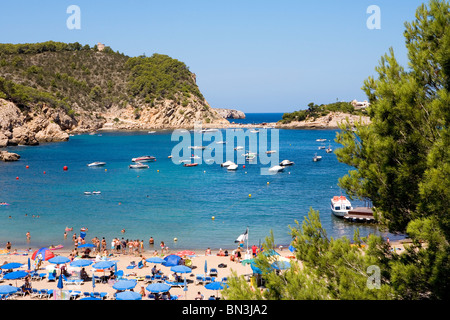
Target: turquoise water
(255,118)
(176,202)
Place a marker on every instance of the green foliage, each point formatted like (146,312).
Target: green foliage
(314,111)
(160,76)
(402,160)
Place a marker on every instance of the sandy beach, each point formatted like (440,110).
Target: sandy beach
(124,260)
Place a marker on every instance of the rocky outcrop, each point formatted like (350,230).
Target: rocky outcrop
(46,125)
(230,113)
(330,121)
(8,156)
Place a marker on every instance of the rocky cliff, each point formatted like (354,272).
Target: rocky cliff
(230,113)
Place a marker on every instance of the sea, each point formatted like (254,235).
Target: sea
(195,208)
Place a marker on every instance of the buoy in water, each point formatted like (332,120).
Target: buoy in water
(106,170)
(65,168)
(27,167)
(157,170)
(175,239)
(268,182)
(213,217)
(44,172)
(250,195)
(17,178)
(243,166)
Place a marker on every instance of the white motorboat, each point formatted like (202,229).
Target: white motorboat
(321,147)
(321,140)
(88,193)
(151,131)
(239,148)
(221,142)
(286,163)
(96,164)
(227,164)
(197,148)
(329,150)
(276,169)
(317,158)
(232,167)
(143,159)
(254,131)
(96,192)
(340,206)
(138,166)
(271,151)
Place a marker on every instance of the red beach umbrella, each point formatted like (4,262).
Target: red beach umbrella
(185,253)
(46,254)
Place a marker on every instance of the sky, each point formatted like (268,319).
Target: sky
(254,56)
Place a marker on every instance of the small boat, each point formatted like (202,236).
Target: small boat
(151,131)
(221,142)
(340,206)
(197,148)
(232,167)
(254,131)
(190,164)
(227,164)
(185,161)
(88,193)
(286,163)
(195,157)
(239,148)
(170,157)
(276,169)
(96,192)
(4,204)
(211,130)
(271,151)
(143,159)
(138,166)
(317,158)
(329,150)
(96,164)
(321,140)
(321,147)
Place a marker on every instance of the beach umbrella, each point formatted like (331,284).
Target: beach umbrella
(11,265)
(158,287)
(60,284)
(93,283)
(181,269)
(59,260)
(216,285)
(291,248)
(155,260)
(281,265)
(185,288)
(171,260)
(29,264)
(128,295)
(45,253)
(185,253)
(81,263)
(103,265)
(247,261)
(15,275)
(124,285)
(206,267)
(87,245)
(7,289)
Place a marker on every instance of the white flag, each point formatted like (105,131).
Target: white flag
(242,237)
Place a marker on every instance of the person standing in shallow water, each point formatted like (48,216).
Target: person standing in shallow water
(28,236)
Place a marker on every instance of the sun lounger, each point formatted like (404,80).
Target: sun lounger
(199,278)
(213,272)
(175,284)
(71,281)
(51,277)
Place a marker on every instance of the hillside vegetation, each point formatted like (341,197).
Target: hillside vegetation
(316,111)
(76,77)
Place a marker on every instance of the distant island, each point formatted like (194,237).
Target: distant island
(50,89)
(326,115)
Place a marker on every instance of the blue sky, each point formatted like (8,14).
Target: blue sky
(255,56)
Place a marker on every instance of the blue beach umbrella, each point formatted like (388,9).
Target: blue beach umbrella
(292,249)
(15,275)
(181,269)
(155,260)
(87,245)
(128,295)
(81,263)
(281,265)
(206,267)
(158,287)
(29,264)
(60,284)
(7,289)
(93,282)
(103,265)
(124,285)
(59,260)
(11,265)
(216,285)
